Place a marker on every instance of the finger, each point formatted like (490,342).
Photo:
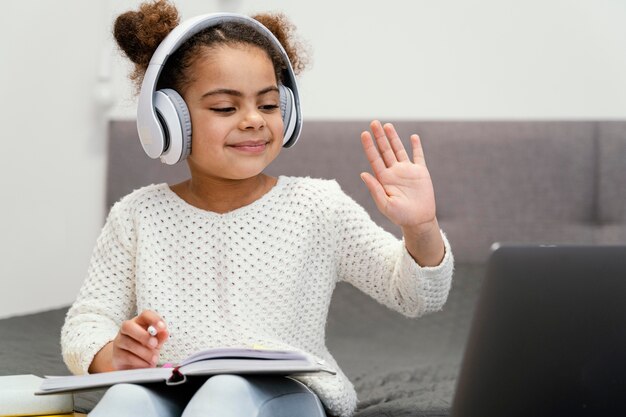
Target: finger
(395,142)
(131,346)
(418,151)
(127,360)
(384,147)
(127,352)
(152,322)
(376,190)
(133,330)
(162,337)
(150,318)
(371,153)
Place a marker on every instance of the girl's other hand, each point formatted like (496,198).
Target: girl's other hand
(133,347)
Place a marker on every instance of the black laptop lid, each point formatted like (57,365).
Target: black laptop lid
(549,335)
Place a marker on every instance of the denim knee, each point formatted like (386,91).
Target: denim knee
(303,404)
(130,400)
(253,396)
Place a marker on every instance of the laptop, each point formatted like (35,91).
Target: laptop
(548,337)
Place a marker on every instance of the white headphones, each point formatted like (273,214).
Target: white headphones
(163,120)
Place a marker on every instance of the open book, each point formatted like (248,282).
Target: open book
(208,362)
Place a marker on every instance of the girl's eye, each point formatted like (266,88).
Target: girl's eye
(269,107)
(223,109)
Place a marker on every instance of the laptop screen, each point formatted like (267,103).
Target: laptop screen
(548,337)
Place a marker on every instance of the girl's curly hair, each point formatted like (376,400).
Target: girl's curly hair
(138,34)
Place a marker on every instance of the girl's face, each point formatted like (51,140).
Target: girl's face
(233,101)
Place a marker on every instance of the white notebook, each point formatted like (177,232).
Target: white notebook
(17,398)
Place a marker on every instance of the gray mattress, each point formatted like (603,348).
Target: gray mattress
(400,367)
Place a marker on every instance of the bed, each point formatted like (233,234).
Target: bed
(515,181)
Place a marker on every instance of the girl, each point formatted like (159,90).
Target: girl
(233,257)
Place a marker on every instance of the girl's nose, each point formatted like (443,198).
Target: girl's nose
(253,119)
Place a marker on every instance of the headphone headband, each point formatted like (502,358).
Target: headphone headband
(151,132)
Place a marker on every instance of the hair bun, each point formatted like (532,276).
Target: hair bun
(139,33)
(285,32)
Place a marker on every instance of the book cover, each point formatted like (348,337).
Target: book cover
(208,362)
(17,398)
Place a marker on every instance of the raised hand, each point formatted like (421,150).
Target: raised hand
(401,188)
(403,191)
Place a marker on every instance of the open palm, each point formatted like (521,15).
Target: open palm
(402,189)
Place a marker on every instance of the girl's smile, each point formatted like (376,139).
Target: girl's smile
(252,147)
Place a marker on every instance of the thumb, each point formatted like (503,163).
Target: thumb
(376,190)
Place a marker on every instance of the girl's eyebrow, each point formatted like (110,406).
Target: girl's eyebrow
(236,93)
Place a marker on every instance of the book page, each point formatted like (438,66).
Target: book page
(244,353)
(93,381)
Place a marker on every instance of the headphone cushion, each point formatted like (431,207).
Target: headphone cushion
(287,111)
(184,119)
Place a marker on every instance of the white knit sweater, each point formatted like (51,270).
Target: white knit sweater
(262,274)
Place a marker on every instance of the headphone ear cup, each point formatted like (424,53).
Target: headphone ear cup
(174,116)
(288,112)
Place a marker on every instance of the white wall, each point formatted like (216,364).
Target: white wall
(445,59)
(52,168)
(456,59)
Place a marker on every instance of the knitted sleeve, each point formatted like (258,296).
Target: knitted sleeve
(107,296)
(379,264)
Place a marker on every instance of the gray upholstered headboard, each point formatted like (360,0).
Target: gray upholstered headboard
(518,181)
